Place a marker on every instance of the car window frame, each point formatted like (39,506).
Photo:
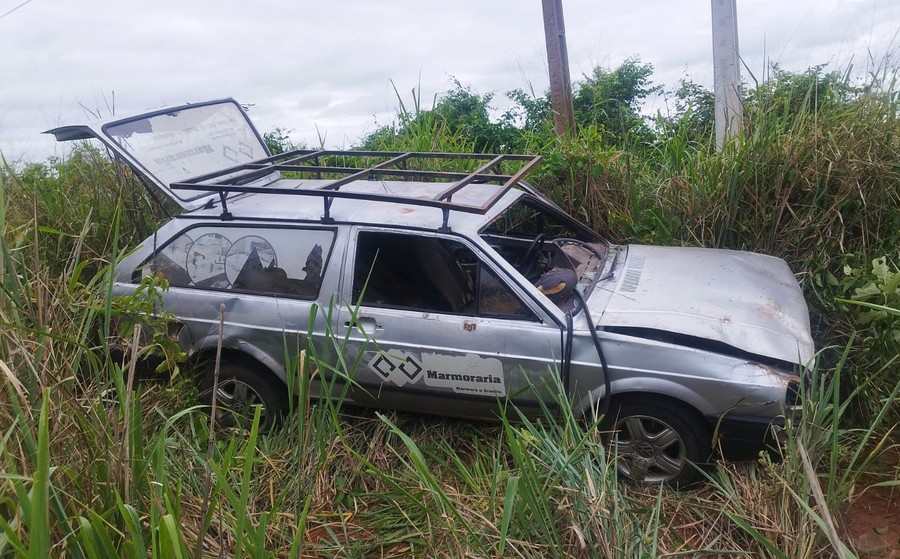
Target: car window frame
(249,228)
(485,258)
(544,205)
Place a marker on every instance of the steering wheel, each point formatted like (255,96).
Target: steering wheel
(530,256)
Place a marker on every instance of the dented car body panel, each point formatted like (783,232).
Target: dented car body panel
(749,301)
(429,285)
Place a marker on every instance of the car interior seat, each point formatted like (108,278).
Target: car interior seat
(443,273)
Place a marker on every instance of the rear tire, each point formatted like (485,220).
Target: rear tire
(655,440)
(241,388)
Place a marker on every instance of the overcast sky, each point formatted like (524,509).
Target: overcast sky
(325,68)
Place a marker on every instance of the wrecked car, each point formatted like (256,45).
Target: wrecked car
(454,286)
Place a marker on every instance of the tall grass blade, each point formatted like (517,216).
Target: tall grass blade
(509,502)
(819,497)
(171,543)
(296,550)
(39,519)
(242,524)
(134,545)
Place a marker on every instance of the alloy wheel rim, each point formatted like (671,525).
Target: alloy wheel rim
(649,450)
(236,401)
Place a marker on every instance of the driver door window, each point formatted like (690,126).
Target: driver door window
(429,274)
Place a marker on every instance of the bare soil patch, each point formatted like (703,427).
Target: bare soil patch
(871,519)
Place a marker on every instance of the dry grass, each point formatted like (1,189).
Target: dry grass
(348,483)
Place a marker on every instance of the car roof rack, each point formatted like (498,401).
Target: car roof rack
(371,165)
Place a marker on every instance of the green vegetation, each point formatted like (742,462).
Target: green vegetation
(89,468)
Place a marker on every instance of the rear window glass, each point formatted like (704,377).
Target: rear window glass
(189,142)
(258,260)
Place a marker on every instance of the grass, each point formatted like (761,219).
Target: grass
(89,468)
(396,485)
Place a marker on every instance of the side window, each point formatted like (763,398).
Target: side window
(258,260)
(429,274)
(495,299)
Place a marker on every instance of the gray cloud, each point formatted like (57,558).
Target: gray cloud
(329,64)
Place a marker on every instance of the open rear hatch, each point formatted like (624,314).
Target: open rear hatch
(175,144)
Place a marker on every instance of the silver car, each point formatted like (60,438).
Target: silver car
(445,284)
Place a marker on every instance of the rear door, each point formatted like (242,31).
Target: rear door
(268,279)
(437,327)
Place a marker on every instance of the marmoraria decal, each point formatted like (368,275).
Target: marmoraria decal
(463,374)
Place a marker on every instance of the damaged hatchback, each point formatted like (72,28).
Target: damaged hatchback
(455,288)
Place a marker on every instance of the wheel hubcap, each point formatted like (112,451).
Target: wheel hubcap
(236,401)
(649,450)
(645,450)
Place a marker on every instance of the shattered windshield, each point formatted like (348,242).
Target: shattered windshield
(528,218)
(541,242)
(192,141)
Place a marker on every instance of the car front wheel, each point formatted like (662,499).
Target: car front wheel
(240,389)
(657,441)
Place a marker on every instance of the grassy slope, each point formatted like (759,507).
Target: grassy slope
(91,470)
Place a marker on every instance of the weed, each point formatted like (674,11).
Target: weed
(95,467)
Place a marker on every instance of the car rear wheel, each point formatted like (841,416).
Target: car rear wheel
(657,441)
(240,390)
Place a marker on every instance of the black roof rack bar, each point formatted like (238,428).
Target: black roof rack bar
(236,179)
(293,161)
(448,193)
(237,185)
(224,201)
(445,220)
(290,161)
(366,173)
(319,192)
(262,166)
(512,181)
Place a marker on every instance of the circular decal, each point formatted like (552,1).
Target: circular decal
(252,251)
(177,250)
(206,261)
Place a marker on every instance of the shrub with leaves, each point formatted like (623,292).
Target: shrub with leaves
(143,308)
(875,315)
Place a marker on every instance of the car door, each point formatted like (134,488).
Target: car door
(437,327)
(268,279)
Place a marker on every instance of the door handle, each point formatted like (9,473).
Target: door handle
(365,323)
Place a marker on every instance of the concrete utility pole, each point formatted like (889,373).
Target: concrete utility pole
(558,60)
(726,70)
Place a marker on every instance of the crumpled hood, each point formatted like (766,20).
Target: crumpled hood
(746,300)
